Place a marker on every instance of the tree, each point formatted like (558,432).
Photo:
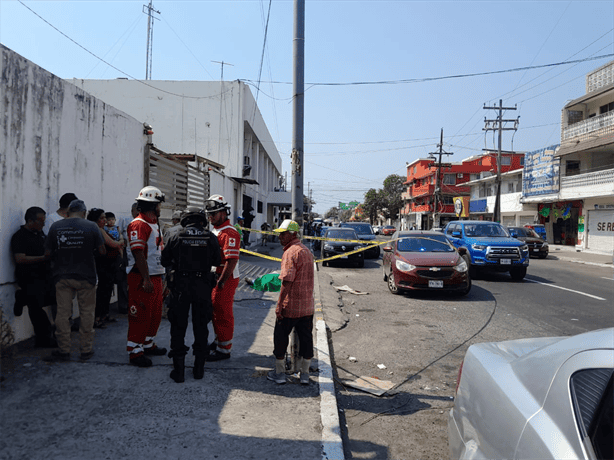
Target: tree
(390,195)
(372,205)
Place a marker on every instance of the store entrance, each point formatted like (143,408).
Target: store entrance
(566,230)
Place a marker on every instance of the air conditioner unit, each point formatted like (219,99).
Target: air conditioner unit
(246,170)
(459,175)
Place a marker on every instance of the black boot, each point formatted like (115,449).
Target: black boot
(199,367)
(178,372)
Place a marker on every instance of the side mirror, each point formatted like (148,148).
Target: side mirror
(456,234)
(387,249)
(514,234)
(462,251)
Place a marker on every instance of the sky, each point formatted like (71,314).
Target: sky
(382,78)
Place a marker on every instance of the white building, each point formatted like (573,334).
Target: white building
(220,123)
(578,180)
(484,194)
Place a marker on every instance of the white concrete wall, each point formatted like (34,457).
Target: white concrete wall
(55,138)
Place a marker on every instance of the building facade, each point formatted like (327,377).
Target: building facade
(217,122)
(579,207)
(428,205)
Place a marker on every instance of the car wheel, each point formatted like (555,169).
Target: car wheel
(468,288)
(360,263)
(377,253)
(518,273)
(473,270)
(325,263)
(392,286)
(384,273)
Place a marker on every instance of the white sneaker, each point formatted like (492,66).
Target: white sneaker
(304,378)
(280,378)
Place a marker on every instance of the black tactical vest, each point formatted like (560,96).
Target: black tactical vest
(194,249)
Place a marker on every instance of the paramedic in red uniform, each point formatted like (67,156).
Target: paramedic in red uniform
(145,278)
(227,275)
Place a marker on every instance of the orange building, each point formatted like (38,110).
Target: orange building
(422,196)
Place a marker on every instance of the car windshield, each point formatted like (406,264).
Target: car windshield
(361,229)
(341,234)
(424,244)
(492,230)
(523,232)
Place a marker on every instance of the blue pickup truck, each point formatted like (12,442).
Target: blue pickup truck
(489,247)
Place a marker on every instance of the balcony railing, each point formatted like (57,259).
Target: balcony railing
(589,179)
(588,126)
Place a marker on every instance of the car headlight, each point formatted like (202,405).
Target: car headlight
(404,266)
(328,247)
(524,248)
(461,267)
(479,247)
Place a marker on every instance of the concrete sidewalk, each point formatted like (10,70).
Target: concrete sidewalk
(570,254)
(105,408)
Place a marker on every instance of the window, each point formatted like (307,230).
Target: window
(606,108)
(510,187)
(447,199)
(572,168)
(574,116)
(259,207)
(506,161)
(522,161)
(449,179)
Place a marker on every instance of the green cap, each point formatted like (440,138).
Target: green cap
(288,226)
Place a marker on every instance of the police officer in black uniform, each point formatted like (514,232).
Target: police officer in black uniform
(190,253)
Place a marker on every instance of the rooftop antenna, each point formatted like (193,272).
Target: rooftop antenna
(150,23)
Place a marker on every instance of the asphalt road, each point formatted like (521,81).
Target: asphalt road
(416,342)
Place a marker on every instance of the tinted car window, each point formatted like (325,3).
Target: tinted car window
(424,244)
(361,229)
(346,234)
(453,228)
(485,230)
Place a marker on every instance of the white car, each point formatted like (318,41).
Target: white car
(544,398)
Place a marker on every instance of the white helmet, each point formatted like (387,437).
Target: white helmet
(151,194)
(216,203)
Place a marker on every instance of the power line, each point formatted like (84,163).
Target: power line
(449,77)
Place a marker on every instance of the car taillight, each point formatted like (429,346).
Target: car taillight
(460,372)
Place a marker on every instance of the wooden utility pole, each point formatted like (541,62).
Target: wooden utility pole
(498,126)
(437,194)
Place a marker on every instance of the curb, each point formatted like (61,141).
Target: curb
(571,259)
(332,445)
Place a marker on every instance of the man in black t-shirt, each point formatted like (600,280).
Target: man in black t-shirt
(33,274)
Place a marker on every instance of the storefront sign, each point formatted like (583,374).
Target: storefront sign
(541,172)
(461,206)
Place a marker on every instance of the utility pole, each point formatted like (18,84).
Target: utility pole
(219,131)
(437,194)
(298,85)
(150,23)
(497,125)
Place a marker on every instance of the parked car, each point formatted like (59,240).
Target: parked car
(388,230)
(424,260)
(489,246)
(536,398)
(540,229)
(335,248)
(365,233)
(377,229)
(537,246)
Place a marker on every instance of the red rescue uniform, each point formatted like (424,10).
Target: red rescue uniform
(144,309)
(222,299)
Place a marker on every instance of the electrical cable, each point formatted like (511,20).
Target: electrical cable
(429,365)
(111,65)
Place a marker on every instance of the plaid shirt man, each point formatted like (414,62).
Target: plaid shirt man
(297,267)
